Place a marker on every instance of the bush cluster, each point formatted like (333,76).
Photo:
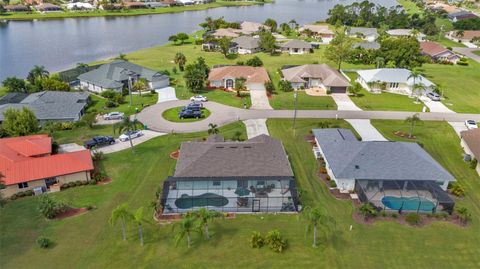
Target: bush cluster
(274,240)
(43,242)
(73,184)
(413,219)
(51,208)
(21,194)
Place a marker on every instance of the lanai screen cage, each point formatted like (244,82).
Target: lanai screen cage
(239,194)
(404,195)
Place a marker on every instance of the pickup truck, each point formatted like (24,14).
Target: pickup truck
(99,141)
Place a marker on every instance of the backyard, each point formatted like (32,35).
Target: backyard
(98,245)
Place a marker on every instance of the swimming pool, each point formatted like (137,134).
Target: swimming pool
(408,203)
(207,199)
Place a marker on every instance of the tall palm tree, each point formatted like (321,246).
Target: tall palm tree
(413,120)
(185,228)
(37,72)
(126,125)
(180,59)
(140,85)
(240,85)
(212,129)
(121,213)
(205,216)
(415,75)
(379,62)
(464,214)
(138,219)
(317,218)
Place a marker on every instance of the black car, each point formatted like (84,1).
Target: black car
(99,141)
(188,113)
(193,107)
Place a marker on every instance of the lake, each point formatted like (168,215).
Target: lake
(61,44)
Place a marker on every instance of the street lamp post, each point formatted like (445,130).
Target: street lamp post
(295,97)
(130,88)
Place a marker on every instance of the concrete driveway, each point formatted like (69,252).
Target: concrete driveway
(344,102)
(166,94)
(258,95)
(435,106)
(366,130)
(468,52)
(119,145)
(256,127)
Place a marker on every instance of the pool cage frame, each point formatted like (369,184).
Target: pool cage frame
(251,203)
(372,191)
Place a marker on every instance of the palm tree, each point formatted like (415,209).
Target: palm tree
(212,129)
(138,219)
(126,125)
(121,213)
(205,216)
(367,210)
(122,57)
(460,33)
(317,218)
(293,23)
(414,119)
(239,85)
(355,88)
(185,229)
(140,85)
(180,59)
(379,62)
(416,75)
(37,72)
(464,214)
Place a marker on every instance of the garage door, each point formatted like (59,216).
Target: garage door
(338,89)
(255,87)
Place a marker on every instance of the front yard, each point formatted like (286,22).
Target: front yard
(138,102)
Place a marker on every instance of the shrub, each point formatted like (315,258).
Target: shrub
(275,241)
(323,170)
(328,178)
(152,91)
(285,86)
(333,184)
(109,94)
(255,61)
(13,197)
(457,189)
(394,215)
(98,156)
(367,210)
(413,219)
(20,194)
(383,213)
(71,184)
(50,208)
(473,163)
(43,242)
(256,240)
(110,104)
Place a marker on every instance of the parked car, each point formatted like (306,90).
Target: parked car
(188,113)
(113,116)
(193,106)
(433,96)
(471,124)
(133,134)
(198,98)
(99,141)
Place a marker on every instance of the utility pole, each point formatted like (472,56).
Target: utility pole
(295,97)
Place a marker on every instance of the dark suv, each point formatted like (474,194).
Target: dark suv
(99,141)
(188,113)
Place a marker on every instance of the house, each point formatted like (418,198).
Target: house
(367,34)
(471,145)
(246,44)
(250,176)
(406,33)
(154,4)
(464,36)
(134,5)
(390,175)
(395,80)
(316,76)
(225,76)
(27,164)
(249,28)
(368,45)
(296,47)
(461,15)
(317,31)
(80,6)
(117,74)
(438,53)
(48,105)
(226,32)
(16,8)
(213,46)
(47,7)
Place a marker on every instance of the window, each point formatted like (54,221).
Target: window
(393,85)
(217,183)
(23,185)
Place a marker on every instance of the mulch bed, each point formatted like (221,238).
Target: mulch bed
(105,181)
(174,155)
(71,212)
(425,221)
(404,135)
(166,219)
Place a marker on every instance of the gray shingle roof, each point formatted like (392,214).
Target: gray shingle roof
(349,158)
(246,42)
(368,45)
(297,44)
(259,156)
(51,105)
(329,76)
(364,31)
(111,75)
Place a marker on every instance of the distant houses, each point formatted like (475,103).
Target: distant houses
(246,28)
(225,76)
(464,36)
(118,74)
(246,44)
(316,76)
(16,8)
(367,34)
(296,47)
(471,145)
(406,33)
(48,7)
(461,15)
(438,53)
(317,31)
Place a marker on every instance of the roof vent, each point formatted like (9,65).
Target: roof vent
(357,167)
(220,147)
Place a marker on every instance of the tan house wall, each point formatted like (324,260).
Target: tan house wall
(80,176)
(12,189)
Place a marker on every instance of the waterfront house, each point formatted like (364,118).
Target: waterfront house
(296,46)
(317,31)
(48,7)
(246,44)
(16,8)
(316,76)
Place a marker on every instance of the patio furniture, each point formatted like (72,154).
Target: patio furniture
(242,192)
(285,190)
(242,202)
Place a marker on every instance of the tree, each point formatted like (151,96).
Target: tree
(89,119)
(14,84)
(18,122)
(182,37)
(285,28)
(122,57)
(50,208)
(379,62)
(185,228)
(196,75)
(224,45)
(317,218)
(52,84)
(212,129)
(267,42)
(255,61)
(173,38)
(140,85)
(339,49)
(138,219)
(367,210)
(285,86)
(180,59)
(205,216)
(240,85)
(416,75)
(464,215)
(403,52)
(293,23)
(122,215)
(413,120)
(127,125)
(271,23)
(36,73)
(355,88)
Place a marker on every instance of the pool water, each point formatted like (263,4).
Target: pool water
(408,203)
(206,199)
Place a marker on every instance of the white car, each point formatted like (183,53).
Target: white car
(471,124)
(133,134)
(198,98)
(113,116)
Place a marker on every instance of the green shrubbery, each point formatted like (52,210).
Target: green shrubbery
(43,242)
(21,194)
(274,240)
(456,189)
(50,208)
(413,219)
(256,240)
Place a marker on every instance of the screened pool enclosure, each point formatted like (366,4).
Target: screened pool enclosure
(232,194)
(404,195)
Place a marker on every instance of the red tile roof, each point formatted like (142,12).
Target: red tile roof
(28,158)
(251,74)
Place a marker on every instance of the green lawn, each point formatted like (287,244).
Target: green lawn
(81,134)
(220,96)
(477,52)
(172,115)
(126,12)
(410,7)
(87,241)
(98,103)
(285,100)
(450,43)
